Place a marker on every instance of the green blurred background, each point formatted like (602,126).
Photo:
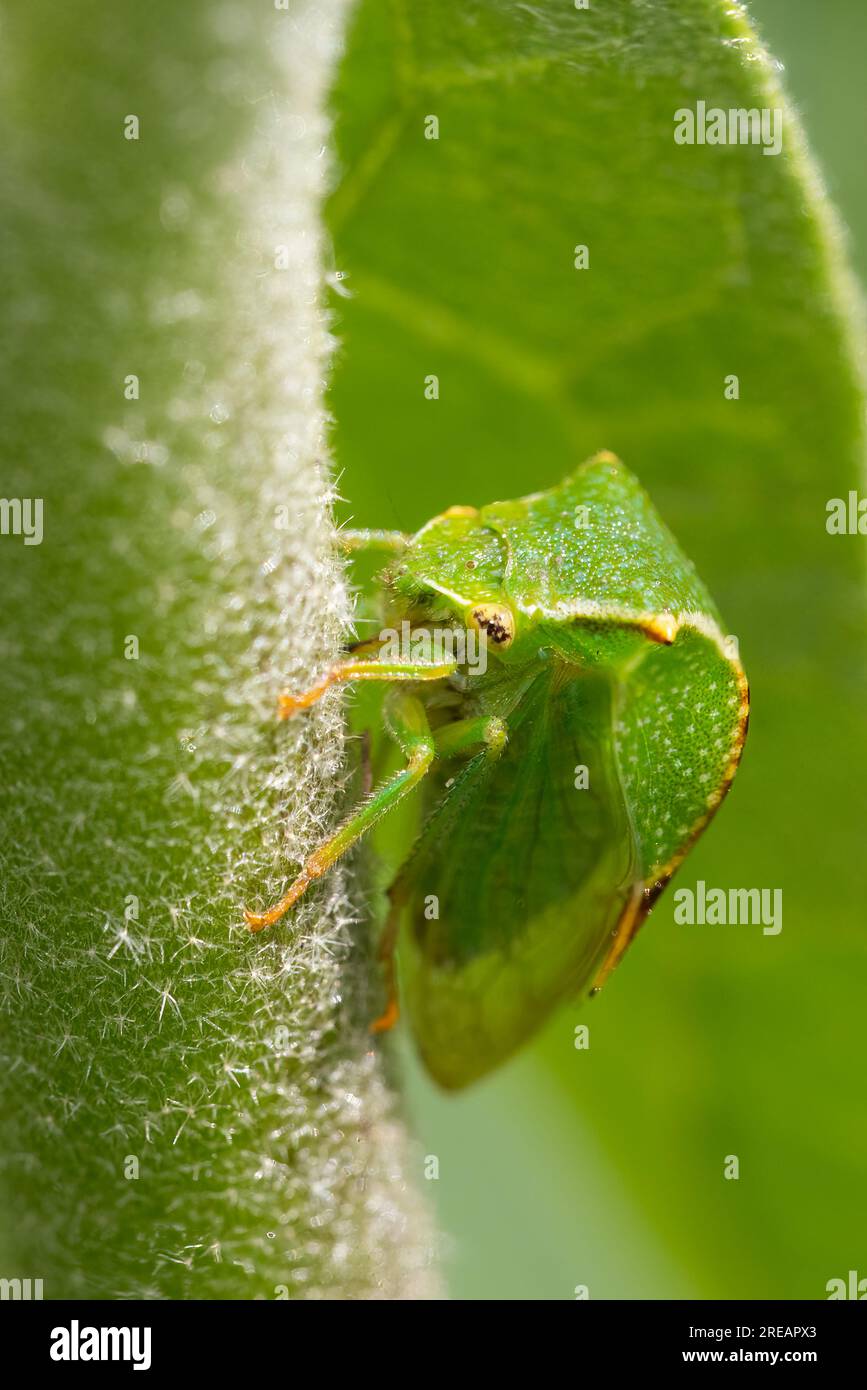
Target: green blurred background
(604,1167)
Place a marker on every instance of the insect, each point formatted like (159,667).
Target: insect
(564,777)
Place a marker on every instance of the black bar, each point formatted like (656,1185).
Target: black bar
(253,1339)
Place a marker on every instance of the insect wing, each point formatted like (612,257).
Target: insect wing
(518,880)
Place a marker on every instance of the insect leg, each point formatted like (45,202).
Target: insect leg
(364,669)
(364,646)
(465,737)
(407,722)
(354,541)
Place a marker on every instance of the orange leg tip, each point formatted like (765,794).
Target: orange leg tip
(387,1020)
(257,920)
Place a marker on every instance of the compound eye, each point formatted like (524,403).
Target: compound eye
(496,621)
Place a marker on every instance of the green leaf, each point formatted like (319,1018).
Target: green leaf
(187,1111)
(556,131)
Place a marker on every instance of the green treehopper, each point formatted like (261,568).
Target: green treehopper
(565,775)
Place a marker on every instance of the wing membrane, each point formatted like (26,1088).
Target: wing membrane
(519,878)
